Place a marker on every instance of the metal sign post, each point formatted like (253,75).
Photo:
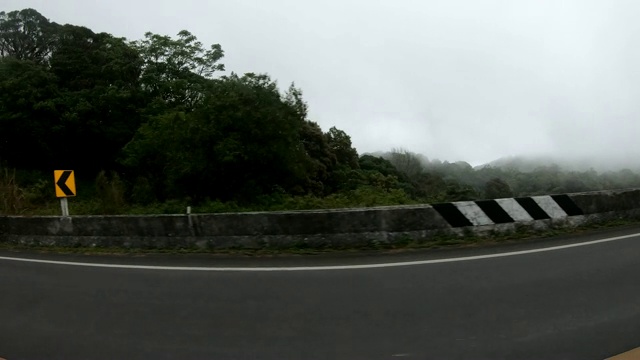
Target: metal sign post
(64,204)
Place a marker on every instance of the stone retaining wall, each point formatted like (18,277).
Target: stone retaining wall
(320,228)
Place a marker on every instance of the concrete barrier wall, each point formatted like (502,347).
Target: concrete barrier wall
(322,228)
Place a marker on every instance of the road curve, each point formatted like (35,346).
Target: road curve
(571,302)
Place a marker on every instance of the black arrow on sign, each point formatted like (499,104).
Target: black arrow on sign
(62,183)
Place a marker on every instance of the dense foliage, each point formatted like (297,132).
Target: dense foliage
(156,123)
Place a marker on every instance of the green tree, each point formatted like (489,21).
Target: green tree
(176,71)
(99,98)
(76,110)
(293,98)
(320,159)
(497,188)
(344,175)
(426,180)
(340,145)
(378,164)
(431,187)
(27,113)
(85,60)
(380,173)
(407,163)
(460,192)
(27,35)
(242,142)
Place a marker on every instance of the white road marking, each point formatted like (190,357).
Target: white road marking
(321,268)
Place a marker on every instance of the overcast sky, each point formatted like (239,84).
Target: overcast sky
(470,80)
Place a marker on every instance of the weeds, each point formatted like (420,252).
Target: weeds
(110,193)
(12,199)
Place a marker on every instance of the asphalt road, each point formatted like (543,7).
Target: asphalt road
(578,302)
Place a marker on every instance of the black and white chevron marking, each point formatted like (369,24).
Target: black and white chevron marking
(503,211)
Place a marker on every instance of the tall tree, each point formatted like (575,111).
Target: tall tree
(175,71)
(345,175)
(99,97)
(321,161)
(340,145)
(26,35)
(85,60)
(293,98)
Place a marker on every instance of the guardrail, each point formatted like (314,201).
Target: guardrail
(337,228)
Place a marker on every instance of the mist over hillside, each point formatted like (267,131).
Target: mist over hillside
(530,163)
(510,176)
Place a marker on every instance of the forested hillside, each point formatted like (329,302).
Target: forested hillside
(158,124)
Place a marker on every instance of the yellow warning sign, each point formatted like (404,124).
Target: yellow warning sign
(65,183)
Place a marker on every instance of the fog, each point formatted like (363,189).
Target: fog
(453,80)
